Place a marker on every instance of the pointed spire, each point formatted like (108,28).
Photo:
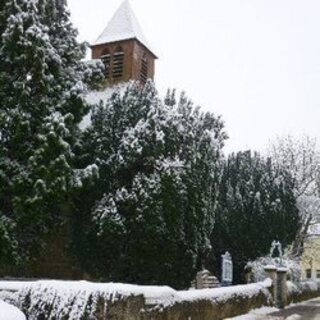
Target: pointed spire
(123,26)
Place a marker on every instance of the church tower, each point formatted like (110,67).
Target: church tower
(124,49)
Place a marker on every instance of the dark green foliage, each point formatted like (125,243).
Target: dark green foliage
(152,207)
(41,86)
(256,205)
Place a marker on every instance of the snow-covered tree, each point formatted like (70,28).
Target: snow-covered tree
(41,87)
(256,205)
(152,207)
(8,243)
(301,157)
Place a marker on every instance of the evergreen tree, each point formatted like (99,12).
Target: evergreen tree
(152,207)
(256,205)
(8,243)
(41,86)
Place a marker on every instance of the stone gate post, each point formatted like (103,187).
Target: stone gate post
(271,272)
(281,288)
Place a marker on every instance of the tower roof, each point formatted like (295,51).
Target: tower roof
(123,26)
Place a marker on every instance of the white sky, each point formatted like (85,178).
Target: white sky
(255,62)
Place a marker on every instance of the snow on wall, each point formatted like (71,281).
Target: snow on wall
(214,304)
(153,294)
(75,300)
(226,293)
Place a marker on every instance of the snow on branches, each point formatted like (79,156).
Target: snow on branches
(158,167)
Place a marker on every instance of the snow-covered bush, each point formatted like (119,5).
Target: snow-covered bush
(257,267)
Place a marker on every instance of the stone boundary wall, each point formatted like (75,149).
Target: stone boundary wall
(81,300)
(213,304)
(55,300)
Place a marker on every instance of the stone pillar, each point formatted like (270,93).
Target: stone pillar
(271,272)
(281,288)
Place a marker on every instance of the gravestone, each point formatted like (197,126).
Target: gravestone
(205,280)
(227,269)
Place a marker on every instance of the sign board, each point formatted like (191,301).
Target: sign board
(227,269)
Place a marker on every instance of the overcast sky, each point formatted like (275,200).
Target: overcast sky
(255,62)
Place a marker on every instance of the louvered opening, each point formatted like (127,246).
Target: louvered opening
(144,69)
(118,62)
(106,59)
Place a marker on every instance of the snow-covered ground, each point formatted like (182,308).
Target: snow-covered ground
(307,310)
(264,314)
(9,312)
(257,314)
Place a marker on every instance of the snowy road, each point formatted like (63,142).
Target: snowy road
(308,310)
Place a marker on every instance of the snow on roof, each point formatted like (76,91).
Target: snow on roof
(123,26)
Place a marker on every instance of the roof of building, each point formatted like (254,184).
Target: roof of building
(123,26)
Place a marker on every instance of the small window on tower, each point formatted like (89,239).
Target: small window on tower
(106,59)
(118,61)
(144,69)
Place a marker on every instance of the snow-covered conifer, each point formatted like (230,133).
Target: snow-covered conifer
(152,208)
(256,205)
(41,94)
